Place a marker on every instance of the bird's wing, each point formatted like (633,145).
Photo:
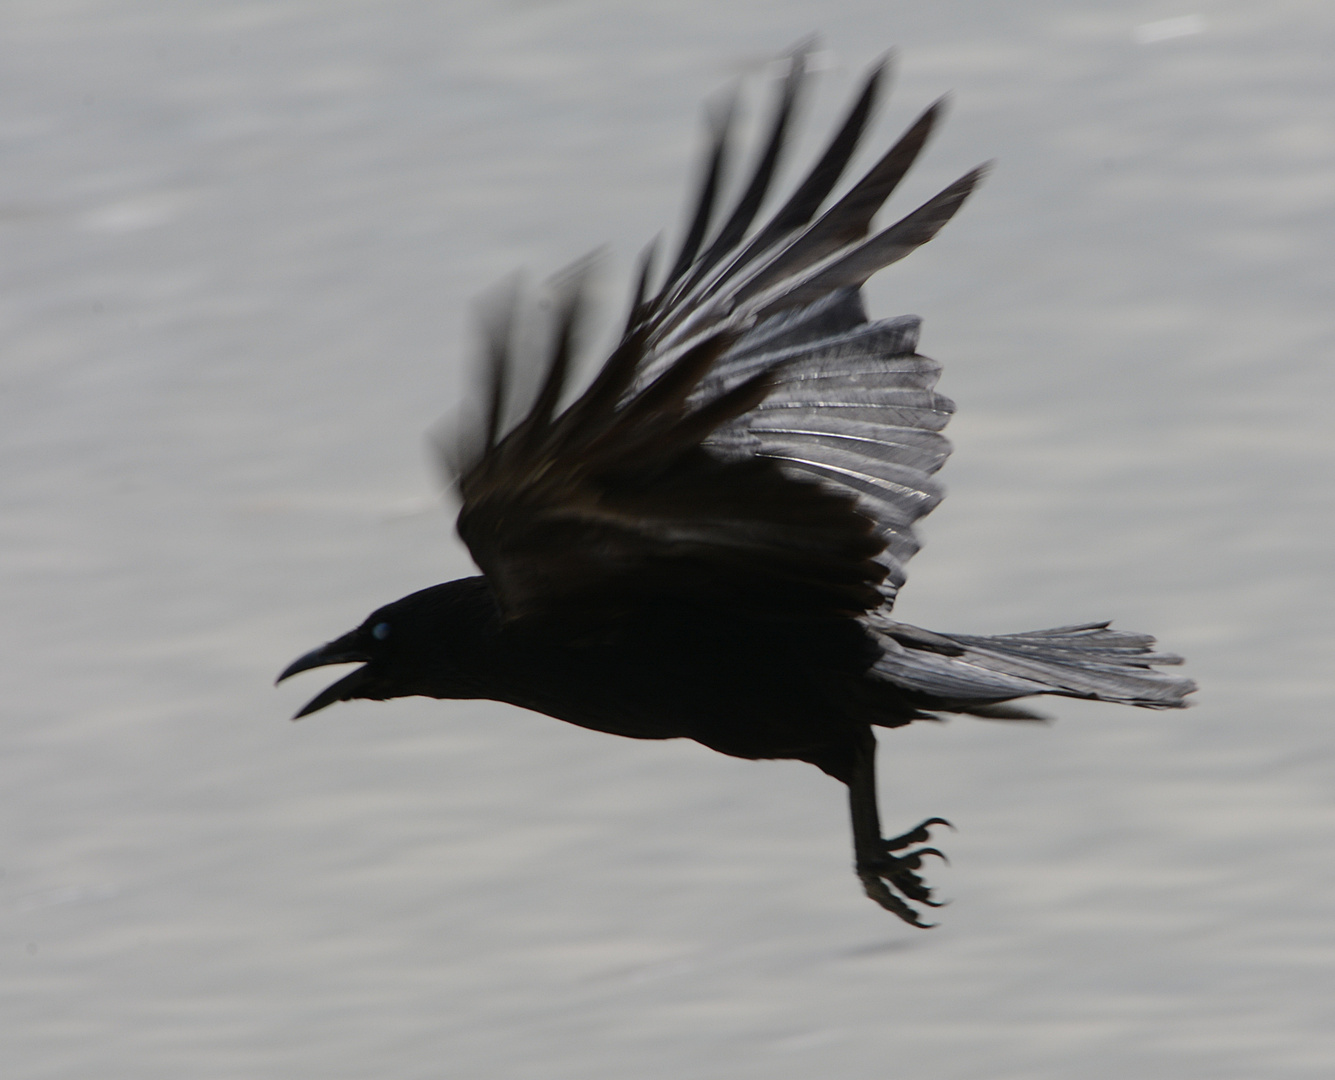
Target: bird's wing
(752,438)
(853,408)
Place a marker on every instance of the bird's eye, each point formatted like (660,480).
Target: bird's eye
(380,631)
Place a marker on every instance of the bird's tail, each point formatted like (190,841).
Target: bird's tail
(971,674)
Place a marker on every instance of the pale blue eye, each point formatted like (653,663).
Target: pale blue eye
(380,631)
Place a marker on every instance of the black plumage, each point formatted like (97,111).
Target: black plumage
(707,542)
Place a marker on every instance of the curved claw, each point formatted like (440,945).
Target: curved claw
(919,834)
(911,886)
(877,890)
(913,859)
(891,879)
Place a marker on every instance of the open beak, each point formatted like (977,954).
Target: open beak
(344,650)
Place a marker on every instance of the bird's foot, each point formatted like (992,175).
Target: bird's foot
(884,874)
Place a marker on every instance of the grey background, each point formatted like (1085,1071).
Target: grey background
(238,244)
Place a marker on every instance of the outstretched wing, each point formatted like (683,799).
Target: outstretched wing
(753,439)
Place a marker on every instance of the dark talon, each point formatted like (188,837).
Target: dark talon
(917,835)
(877,890)
(891,880)
(888,878)
(913,888)
(913,859)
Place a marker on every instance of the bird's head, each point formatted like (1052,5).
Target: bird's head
(414,646)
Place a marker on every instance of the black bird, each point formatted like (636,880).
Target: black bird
(707,542)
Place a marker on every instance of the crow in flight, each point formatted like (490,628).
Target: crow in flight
(707,542)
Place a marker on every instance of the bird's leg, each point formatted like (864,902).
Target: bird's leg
(889,879)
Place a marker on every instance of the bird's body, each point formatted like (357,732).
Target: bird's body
(660,670)
(707,542)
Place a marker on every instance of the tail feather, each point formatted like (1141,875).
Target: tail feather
(965,671)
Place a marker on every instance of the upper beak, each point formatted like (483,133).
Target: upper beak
(344,650)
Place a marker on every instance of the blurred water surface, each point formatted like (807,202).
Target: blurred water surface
(238,245)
